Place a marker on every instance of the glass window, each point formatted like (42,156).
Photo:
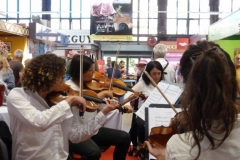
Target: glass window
(182,27)
(36,5)
(65,6)
(75,8)
(194,7)
(224,6)
(134,38)
(24,8)
(143,26)
(235,5)
(134,29)
(171,26)
(135,8)
(204,7)
(204,24)
(143,9)
(12,7)
(75,24)
(143,39)
(153,24)
(55,23)
(131,65)
(85,9)
(3,8)
(172,7)
(193,27)
(65,24)
(85,24)
(182,8)
(153,9)
(56,8)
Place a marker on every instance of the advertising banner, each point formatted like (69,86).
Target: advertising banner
(111,20)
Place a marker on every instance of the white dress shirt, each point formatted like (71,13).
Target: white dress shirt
(177,149)
(142,87)
(42,133)
(113,120)
(169,70)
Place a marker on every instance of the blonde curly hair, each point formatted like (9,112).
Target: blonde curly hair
(5,64)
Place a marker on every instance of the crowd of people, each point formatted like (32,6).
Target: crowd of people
(46,128)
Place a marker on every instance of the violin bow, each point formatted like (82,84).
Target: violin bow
(155,85)
(114,67)
(81,76)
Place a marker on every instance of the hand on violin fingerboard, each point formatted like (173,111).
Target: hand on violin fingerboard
(78,102)
(156,150)
(128,109)
(111,104)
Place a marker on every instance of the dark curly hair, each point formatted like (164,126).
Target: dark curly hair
(42,72)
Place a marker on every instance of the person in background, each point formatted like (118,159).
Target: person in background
(237,66)
(17,67)
(160,51)
(27,61)
(178,75)
(108,64)
(144,86)
(40,131)
(91,149)
(6,73)
(140,68)
(134,127)
(68,61)
(122,68)
(213,126)
(9,58)
(117,71)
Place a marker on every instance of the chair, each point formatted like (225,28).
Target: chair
(6,137)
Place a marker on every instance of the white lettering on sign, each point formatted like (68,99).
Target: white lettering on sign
(182,44)
(99,66)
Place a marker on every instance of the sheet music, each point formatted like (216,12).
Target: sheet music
(158,117)
(171,90)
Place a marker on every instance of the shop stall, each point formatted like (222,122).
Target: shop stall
(15,36)
(226,33)
(43,39)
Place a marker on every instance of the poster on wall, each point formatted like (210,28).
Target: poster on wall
(38,48)
(111,20)
(33,47)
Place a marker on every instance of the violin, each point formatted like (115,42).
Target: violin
(91,97)
(161,134)
(100,82)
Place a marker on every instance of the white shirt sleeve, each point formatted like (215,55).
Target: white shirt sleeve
(80,132)
(137,87)
(37,119)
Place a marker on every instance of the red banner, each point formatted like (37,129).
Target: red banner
(100,65)
(182,43)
